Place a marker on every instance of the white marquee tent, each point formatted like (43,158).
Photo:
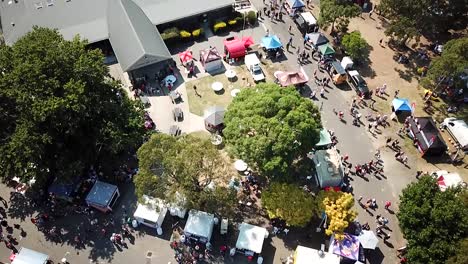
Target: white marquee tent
(29,256)
(151,213)
(305,255)
(251,237)
(200,225)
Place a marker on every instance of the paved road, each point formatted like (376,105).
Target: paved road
(357,143)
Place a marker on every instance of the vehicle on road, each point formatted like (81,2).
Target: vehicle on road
(253,65)
(358,83)
(306,22)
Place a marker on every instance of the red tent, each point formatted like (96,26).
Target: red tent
(234,48)
(185,56)
(248,41)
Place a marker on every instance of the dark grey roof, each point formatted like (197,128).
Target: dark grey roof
(135,40)
(84,17)
(89,17)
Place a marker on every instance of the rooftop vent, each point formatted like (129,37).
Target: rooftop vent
(50,2)
(38,5)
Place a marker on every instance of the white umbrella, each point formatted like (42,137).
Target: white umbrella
(240,165)
(368,239)
(214,115)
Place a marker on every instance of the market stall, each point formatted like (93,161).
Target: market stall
(234,49)
(325,139)
(305,255)
(293,6)
(151,212)
(65,190)
(250,239)
(248,41)
(426,136)
(328,168)
(186,57)
(337,73)
(271,42)
(326,50)
(317,39)
(199,226)
(291,78)
(29,256)
(214,118)
(348,248)
(446,180)
(402,108)
(211,60)
(103,196)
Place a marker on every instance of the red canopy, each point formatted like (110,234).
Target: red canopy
(185,56)
(248,41)
(235,48)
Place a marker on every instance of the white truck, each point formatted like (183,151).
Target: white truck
(253,65)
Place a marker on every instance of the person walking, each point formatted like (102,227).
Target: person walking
(322,92)
(290,29)
(397,92)
(387,205)
(290,40)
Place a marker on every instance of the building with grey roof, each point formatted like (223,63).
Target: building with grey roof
(129,25)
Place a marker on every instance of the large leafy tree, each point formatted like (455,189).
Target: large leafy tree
(356,46)
(337,11)
(288,202)
(271,127)
(451,64)
(338,206)
(60,110)
(432,221)
(410,18)
(188,171)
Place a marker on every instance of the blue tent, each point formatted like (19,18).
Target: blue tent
(271,42)
(296,3)
(401,105)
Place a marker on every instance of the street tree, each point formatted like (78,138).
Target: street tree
(356,46)
(288,202)
(187,171)
(452,64)
(416,17)
(337,11)
(338,206)
(60,110)
(271,128)
(424,214)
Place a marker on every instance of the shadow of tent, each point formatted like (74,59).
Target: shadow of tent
(375,256)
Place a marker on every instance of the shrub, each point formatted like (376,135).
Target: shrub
(240,20)
(197,32)
(252,17)
(232,22)
(170,33)
(185,34)
(219,26)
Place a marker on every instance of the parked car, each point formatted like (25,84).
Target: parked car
(458,129)
(358,83)
(253,65)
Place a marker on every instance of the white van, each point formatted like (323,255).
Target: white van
(458,129)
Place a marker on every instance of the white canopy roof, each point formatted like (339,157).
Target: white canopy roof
(199,224)
(251,237)
(305,255)
(347,63)
(309,18)
(153,210)
(29,256)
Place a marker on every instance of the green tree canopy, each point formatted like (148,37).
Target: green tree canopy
(356,46)
(452,63)
(432,221)
(332,11)
(288,202)
(410,18)
(186,170)
(60,110)
(271,127)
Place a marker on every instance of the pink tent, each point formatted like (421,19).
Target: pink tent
(291,78)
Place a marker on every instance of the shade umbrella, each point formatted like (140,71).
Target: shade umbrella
(368,239)
(186,56)
(248,41)
(240,165)
(214,115)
